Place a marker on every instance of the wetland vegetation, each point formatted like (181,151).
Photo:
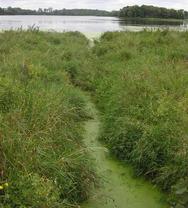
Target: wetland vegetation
(138,82)
(41,114)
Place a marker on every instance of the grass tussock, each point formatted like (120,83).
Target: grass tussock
(43,162)
(141,83)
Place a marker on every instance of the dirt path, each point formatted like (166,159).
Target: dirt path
(119,188)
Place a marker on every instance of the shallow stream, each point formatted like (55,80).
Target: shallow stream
(119,188)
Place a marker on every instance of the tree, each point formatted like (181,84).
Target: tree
(145,11)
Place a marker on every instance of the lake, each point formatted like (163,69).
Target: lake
(91,26)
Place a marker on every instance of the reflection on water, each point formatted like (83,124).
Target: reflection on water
(89,25)
(150,22)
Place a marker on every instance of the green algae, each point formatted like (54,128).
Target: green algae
(119,188)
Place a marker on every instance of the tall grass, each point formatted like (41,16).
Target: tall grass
(140,84)
(139,81)
(43,162)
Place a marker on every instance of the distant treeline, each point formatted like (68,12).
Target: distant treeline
(129,11)
(50,11)
(152,12)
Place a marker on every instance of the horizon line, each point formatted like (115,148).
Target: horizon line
(92,8)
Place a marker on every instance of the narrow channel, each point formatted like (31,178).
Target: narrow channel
(119,188)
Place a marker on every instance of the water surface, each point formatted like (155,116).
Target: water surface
(90,25)
(119,188)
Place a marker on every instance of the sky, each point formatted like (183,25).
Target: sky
(92,4)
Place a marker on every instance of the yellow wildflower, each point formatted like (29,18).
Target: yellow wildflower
(1,187)
(6,185)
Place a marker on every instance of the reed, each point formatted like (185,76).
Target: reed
(140,84)
(43,161)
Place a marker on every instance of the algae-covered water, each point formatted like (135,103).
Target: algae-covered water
(119,188)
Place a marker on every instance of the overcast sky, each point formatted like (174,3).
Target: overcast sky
(92,4)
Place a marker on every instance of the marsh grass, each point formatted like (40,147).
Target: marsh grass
(42,156)
(139,82)
(140,85)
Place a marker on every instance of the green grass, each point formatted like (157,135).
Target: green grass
(42,156)
(140,86)
(139,82)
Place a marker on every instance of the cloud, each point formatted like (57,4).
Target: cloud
(92,4)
